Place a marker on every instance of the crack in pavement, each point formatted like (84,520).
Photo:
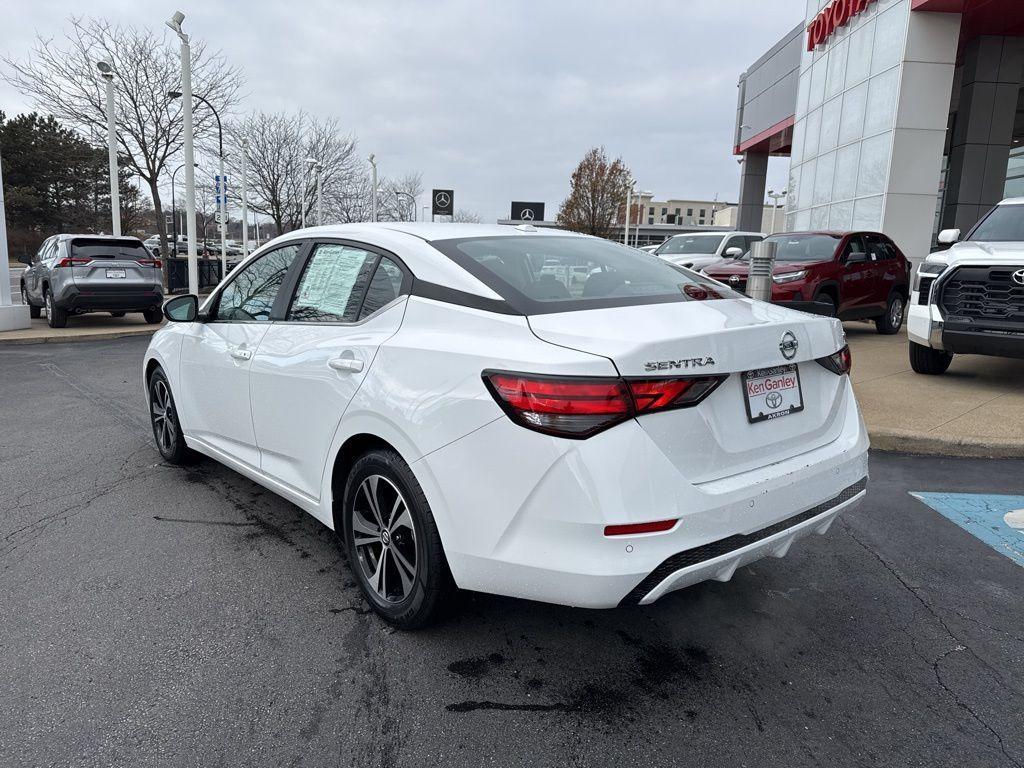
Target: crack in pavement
(960,645)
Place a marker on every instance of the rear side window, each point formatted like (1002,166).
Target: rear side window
(332,284)
(385,287)
(108,248)
(538,274)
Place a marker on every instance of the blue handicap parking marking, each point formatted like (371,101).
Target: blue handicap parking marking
(996,520)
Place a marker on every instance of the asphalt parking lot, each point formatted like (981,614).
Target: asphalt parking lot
(156,616)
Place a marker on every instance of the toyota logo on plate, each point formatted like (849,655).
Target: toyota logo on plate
(789,345)
(442,199)
(527,214)
(774,400)
(1018,277)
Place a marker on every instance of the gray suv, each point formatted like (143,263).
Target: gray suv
(75,274)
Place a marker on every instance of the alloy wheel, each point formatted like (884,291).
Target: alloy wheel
(162,412)
(896,312)
(384,536)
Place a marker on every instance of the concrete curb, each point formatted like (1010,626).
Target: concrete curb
(70,338)
(903,441)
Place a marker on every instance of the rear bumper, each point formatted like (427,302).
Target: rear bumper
(128,299)
(522,514)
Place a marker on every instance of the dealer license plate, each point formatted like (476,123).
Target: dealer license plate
(115,274)
(771,393)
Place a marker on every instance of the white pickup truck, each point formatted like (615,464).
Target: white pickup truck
(969,300)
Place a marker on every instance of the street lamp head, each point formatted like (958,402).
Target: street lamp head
(175,21)
(310,161)
(372,159)
(174,94)
(105,67)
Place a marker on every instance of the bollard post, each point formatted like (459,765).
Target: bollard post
(762,264)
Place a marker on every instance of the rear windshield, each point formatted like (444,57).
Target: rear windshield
(538,274)
(802,247)
(691,244)
(108,248)
(1005,224)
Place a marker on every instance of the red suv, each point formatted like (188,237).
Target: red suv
(863,275)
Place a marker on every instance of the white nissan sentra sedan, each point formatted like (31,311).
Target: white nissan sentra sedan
(530,413)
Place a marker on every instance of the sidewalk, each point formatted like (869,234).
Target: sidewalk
(82,328)
(975,409)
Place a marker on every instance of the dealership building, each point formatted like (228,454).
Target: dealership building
(901,116)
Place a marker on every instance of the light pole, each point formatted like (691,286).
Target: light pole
(319,194)
(222,186)
(245,199)
(412,202)
(640,216)
(107,73)
(12,316)
(174,211)
(425,209)
(373,199)
(305,183)
(630,182)
(775,196)
(190,175)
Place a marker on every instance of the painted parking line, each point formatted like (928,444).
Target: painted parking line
(996,520)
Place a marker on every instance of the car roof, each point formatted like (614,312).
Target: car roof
(68,236)
(1012,201)
(411,242)
(715,234)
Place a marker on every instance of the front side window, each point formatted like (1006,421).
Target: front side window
(538,274)
(251,293)
(1004,224)
(332,284)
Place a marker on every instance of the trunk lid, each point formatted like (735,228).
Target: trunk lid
(715,439)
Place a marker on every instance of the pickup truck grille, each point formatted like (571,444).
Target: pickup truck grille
(984,293)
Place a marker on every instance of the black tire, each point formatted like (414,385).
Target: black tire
(118,314)
(33,311)
(827,298)
(405,549)
(55,317)
(895,312)
(163,415)
(153,316)
(931,362)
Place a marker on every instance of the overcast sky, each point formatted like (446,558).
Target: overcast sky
(498,100)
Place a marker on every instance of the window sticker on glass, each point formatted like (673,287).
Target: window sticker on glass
(328,283)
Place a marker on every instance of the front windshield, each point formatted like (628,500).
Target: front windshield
(1005,224)
(690,244)
(561,274)
(802,247)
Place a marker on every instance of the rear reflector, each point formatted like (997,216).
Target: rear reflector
(658,526)
(579,407)
(839,362)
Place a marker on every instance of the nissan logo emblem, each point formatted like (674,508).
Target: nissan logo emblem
(789,345)
(1018,277)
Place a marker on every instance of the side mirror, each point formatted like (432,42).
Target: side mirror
(182,309)
(856,258)
(734,253)
(25,258)
(949,236)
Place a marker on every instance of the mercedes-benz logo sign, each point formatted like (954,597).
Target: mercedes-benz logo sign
(789,345)
(527,214)
(774,400)
(442,199)
(1018,277)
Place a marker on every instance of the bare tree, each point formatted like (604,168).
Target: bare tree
(279,177)
(462,216)
(61,79)
(597,193)
(397,198)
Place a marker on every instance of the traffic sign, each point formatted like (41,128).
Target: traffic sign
(527,211)
(218,218)
(443,202)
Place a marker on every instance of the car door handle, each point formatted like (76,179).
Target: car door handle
(241,354)
(346,364)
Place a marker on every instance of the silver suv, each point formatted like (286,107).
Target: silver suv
(75,274)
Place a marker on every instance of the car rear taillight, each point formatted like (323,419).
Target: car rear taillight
(838,362)
(632,529)
(578,407)
(73,261)
(151,263)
